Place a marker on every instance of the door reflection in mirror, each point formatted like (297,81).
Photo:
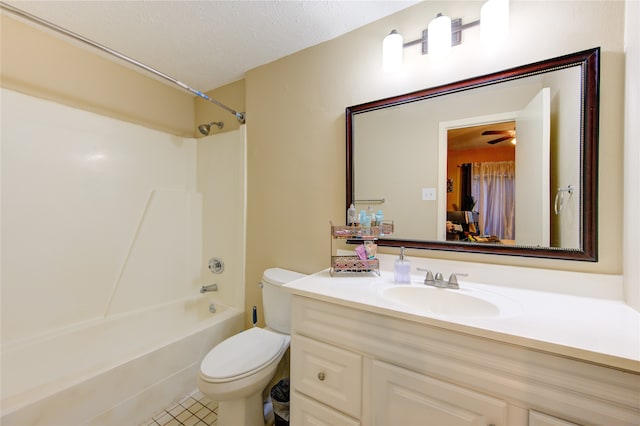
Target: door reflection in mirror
(480,159)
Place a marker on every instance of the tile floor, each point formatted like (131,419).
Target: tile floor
(194,410)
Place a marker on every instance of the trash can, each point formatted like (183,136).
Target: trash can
(280,401)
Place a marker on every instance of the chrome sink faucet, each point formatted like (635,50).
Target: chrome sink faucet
(439,281)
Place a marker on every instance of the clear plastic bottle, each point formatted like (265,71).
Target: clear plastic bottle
(363,217)
(402,269)
(372,216)
(352,217)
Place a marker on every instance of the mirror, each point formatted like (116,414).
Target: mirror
(425,159)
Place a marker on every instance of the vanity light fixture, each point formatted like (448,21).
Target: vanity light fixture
(447,32)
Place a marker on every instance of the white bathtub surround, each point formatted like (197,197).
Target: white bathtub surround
(99,217)
(102,262)
(583,319)
(222,183)
(168,231)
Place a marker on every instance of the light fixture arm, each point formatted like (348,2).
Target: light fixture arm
(456,34)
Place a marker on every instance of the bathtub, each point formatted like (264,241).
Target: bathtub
(117,370)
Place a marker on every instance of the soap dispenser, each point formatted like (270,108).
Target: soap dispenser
(402,269)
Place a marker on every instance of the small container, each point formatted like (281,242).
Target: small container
(361,251)
(371,249)
(352,218)
(363,216)
(379,219)
(402,269)
(366,225)
(372,216)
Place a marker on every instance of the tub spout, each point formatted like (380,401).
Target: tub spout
(211,287)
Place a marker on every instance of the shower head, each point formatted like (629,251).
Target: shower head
(206,128)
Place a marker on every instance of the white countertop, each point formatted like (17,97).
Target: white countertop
(598,330)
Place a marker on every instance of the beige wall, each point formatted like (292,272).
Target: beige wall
(37,63)
(296,133)
(632,155)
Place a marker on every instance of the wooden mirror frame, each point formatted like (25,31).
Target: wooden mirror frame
(589,61)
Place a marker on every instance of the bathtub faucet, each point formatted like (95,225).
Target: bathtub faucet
(211,287)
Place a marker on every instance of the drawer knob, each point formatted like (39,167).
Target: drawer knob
(321,376)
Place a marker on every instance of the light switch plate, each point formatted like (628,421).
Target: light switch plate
(428,194)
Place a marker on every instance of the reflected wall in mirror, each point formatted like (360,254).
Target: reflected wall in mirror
(491,196)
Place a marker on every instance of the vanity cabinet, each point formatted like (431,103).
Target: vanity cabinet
(404,397)
(352,366)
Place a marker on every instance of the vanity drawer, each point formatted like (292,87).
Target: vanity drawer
(328,374)
(306,411)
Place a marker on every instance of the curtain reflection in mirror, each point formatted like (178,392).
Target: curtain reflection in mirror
(493,185)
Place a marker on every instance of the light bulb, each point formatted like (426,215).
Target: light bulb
(494,21)
(392,52)
(439,36)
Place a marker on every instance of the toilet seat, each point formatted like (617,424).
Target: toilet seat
(242,355)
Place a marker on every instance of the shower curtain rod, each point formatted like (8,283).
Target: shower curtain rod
(240,116)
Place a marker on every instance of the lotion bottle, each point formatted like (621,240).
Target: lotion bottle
(402,269)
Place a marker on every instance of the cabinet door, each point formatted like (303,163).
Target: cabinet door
(306,411)
(328,374)
(540,419)
(404,397)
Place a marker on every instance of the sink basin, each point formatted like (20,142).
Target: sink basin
(459,303)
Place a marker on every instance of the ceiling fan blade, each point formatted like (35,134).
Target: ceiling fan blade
(496,132)
(502,139)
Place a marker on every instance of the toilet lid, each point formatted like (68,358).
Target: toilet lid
(242,354)
(279,276)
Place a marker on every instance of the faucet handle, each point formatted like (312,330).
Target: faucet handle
(428,279)
(453,279)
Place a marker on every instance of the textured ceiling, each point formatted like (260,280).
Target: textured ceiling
(207,44)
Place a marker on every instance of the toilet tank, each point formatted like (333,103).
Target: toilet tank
(276,301)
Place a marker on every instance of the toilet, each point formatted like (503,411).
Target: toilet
(236,371)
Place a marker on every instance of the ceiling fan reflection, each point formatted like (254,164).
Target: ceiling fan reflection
(506,135)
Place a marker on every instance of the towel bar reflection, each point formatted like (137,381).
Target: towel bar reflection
(370,201)
(559,203)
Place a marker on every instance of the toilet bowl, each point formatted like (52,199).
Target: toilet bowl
(236,371)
